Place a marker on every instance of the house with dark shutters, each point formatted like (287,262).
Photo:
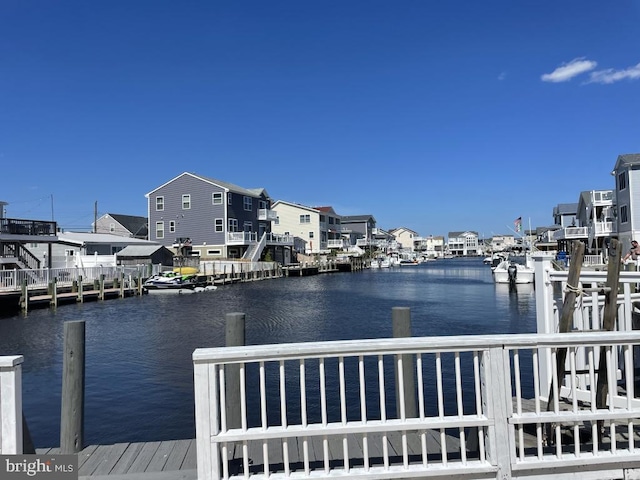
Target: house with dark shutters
(215,219)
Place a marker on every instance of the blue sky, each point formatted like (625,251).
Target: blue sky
(434,115)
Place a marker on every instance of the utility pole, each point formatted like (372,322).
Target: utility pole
(95,217)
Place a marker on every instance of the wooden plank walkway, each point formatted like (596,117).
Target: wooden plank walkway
(174,459)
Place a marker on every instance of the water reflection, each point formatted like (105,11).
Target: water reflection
(139,384)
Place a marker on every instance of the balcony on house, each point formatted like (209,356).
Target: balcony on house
(277,239)
(569,233)
(336,243)
(241,238)
(268,215)
(602,197)
(14,226)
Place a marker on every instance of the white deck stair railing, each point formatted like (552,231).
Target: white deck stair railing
(11,404)
(328,409)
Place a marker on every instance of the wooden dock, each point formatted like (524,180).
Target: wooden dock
(174,459)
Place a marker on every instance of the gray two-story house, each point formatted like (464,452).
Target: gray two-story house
(215,219)
(627,193)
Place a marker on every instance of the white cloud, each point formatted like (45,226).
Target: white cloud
(569,70)
(502,76)
(610,75)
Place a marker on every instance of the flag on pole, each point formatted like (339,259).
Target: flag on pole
(518,224)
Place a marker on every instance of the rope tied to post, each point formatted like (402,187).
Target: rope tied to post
(577,290)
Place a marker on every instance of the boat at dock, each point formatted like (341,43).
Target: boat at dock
(511,272)
(173,282)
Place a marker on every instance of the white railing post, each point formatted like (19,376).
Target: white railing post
(206,414)
(496,399)
(11,404)
(544,313)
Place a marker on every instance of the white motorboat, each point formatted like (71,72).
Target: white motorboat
(508,271)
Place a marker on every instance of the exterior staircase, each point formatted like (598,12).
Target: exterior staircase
(255,250)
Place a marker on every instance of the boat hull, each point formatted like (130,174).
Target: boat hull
(513,273)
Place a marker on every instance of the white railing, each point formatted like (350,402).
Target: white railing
(593,260)
(279,239)
(604,228)
(11,404)
(329,409)
(265,214)
(241,238)
(571,232)
(335,243)
(41,278)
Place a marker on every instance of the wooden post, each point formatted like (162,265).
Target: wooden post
(80,290)
(234,337)
(53,287)
(121,285)
(401,319)
(566,316)
(72,415)
(608,320)
(25,296)
(101,287)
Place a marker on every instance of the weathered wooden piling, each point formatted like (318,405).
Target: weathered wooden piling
(234,337)
(72,411)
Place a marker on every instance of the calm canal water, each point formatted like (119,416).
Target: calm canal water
(139,375)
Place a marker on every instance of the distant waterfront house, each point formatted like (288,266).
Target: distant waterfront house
(358,229)
(218,219)
(627,194)
(430,247)
(311,227)
(593,223)
(564,214)
(16,235)
(123,225)
(500,243)
(405,237)
(463,243)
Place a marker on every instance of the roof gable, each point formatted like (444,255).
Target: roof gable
(230,187)
(136,225)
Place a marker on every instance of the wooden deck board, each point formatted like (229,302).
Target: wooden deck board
(177,455)
(110,460)
(127,458)
(160,457)
(144,457)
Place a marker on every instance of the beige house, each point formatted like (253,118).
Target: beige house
(406,237)
(432,246)
(305,224)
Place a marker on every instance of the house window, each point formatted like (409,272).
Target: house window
(305,218)
(229,201)
(277,222)
(218,225)
(624,214)
(214,252)
(216,198)
(159,229)
(112,227)
(247,226)
(186,202)
(159,204)
(310,234)
(248,203)
(622,180)
(69,253)
(172,226)
(233,225)
(263,204)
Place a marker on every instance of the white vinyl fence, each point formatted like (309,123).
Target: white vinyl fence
(329,409)
(11,404)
